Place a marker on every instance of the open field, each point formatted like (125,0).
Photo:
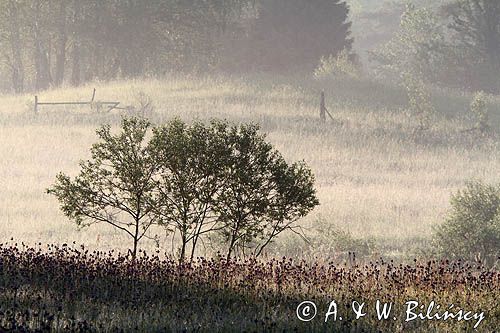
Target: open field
(375,178)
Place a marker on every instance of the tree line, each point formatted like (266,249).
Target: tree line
(455,45)
(197,181)
(45,43)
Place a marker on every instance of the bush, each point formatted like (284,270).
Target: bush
(479,109)
(340,65)
(472,229)
(419,100)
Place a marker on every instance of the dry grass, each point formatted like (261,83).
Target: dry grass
(374,177)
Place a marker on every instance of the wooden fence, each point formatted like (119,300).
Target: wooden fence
(323,111)
(92,103)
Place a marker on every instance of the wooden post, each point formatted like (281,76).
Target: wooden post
(322,108)
(36,104)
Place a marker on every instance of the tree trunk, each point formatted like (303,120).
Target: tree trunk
(15,44)
(195,240)
(96,72)
(61,45)
(134,250)
(231,247)
(75,71)
(197,236)
(136,236)
(183,248)
(42,76)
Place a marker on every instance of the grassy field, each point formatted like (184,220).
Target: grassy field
(376,179)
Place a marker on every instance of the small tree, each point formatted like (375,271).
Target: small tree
(191,164)
(472,230)
(115,186)
(419,100)
(294,197)
(262,196)
(479,109)
(418,48)
(414,57)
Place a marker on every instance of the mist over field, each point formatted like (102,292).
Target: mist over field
(377,150)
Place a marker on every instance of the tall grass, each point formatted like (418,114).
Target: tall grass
(376,179)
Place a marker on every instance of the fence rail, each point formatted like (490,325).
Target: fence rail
(97,104)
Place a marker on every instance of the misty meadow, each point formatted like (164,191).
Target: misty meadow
(249,165)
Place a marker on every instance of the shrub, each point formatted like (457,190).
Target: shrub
(472,229)
(479,109)
(419,100)
(340,65)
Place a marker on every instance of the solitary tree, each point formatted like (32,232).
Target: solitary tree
(414,57)
(479,107)
(115,186)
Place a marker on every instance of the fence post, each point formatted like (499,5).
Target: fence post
(322,114)
(36,104)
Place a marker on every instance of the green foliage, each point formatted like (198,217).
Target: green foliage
(479,109)
(472,229)
(340,65)
(475,25)
(419,101)
(456,45)
(414,57)
(115,186)
(416,49)
(197,178)
(191,162)
(262,195)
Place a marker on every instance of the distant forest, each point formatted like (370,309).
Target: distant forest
(450,43)
(47,43)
